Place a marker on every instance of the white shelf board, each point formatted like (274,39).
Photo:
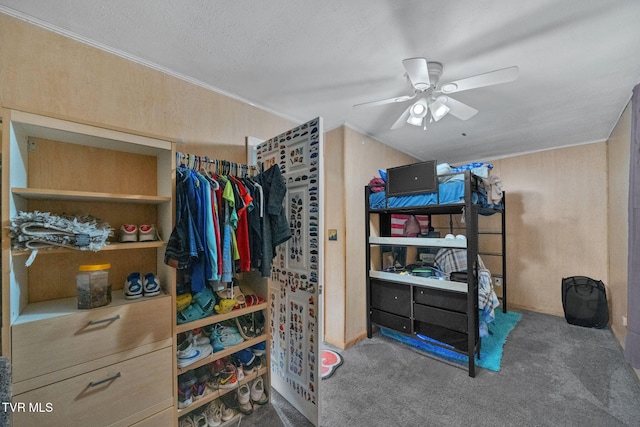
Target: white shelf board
(445,285)
(419,241)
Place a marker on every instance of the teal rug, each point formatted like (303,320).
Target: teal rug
(490,350)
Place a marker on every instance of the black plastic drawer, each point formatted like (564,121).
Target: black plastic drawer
(445,318)
(458,340)
(449,300)
(391,297)
(391,321)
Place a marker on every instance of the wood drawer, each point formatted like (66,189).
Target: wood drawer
(391,297)
(43,346)
(161,419)
(136,385)
(455,301)
(445,318)
(391,321)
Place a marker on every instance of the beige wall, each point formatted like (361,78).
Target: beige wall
(556,222)
(618,150)
(362,159)
(48,74)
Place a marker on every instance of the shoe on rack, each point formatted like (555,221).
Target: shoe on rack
(227,413)
(228,377)
(246,326)
(187,421)
(183,301)
(189,353)
(213,414)
(128,233)
(133,286)
(199,420)
(150,285)
(258,395)
(202,375)
(246,358)
(186,383)
(224,341)
(148,233)
(260,348)
(244,399)
(258,321)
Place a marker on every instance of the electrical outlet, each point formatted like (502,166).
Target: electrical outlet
(624,320)
(497,281)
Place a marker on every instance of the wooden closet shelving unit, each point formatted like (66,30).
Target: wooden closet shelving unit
(104,366)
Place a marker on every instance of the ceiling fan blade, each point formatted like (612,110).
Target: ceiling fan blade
(386,101)
(457,108)
(402,119)
(418,72)
(504,75)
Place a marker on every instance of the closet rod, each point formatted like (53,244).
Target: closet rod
(225,167)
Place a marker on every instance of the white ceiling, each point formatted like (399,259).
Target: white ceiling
(578,60)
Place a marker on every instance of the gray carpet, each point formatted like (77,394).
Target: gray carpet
(552,374)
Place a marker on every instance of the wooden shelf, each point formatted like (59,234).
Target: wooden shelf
(43,193)
(215,394)
(109,247)
(226,352)
(219,318)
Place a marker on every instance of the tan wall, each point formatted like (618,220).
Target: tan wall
(334,211)
(618,150)
(48,74)
(362,159)
(556,222)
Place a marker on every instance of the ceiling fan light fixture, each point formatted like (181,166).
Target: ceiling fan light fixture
(449,87)
(439,109)
(415,121)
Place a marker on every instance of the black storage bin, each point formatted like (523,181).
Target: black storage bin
(584,301)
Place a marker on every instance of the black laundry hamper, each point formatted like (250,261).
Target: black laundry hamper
(584,301)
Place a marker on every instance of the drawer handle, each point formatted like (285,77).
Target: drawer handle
(97,383)
(109,320)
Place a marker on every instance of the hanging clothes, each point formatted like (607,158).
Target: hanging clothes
(225,224)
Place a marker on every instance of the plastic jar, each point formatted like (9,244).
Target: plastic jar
(93,286)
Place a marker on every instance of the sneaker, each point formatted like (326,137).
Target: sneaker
(258,394)
(224,341)
(246,358)
(189,353)
(213,414)
(147,233)
(133,286)
(202,375)
(227,413)
(259,321)
(228,377)
(246,326)
(187,421)
(186,382)
(128,233)
(259,349)
(150,285)
(240,372)
(244,399)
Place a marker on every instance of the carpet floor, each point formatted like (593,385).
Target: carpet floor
(552,374)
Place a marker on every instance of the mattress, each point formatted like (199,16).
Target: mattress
(449,192)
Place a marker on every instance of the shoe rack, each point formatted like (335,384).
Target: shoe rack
(250,283)
(81,363)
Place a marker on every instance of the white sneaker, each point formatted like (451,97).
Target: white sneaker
(189,353)
(213,414)
(147,233)
(128,233)
(227,413)
(133,286)
(150,285)
(258,394)
(244,399)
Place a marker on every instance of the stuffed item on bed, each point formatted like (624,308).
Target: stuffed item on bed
(449,261)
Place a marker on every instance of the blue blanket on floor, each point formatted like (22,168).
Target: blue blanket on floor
(490,350)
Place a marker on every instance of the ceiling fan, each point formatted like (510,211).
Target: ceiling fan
(433,101)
